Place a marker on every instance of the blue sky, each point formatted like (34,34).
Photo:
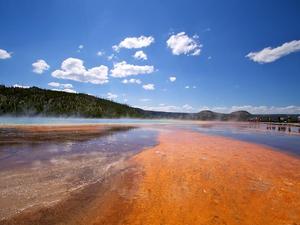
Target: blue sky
(225,55)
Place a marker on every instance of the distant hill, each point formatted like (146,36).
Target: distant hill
(210,115)
(35,101)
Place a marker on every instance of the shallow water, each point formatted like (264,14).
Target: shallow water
(70,120)
(259,134)
(251,132)
(38,168)
(109,143)
(37,172)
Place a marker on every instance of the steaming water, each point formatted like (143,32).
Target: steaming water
(241,131)
(61,120)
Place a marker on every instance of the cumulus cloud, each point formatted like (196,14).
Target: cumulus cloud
(59,85)
(172,79)
(183,44)
(187,87)
(100,53)
(149,87)
(122,69)
(164,108)
(73,69)
(268,55)
(134,42)
(4,54)
(187,107)
(111,57)
(256,109)
(111,96)
(20,86)
(40,66)
(132,81)
(168,108)
(140,55)
(69,90)
(80,47)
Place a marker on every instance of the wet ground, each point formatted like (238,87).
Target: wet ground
(259,133)
(41,166)
(149,174)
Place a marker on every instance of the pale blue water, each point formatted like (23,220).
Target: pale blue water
(285,141)
(110,144)
(62,120)
(289,142)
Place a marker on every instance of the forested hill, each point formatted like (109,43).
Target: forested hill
(35,101)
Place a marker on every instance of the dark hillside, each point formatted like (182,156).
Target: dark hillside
(41,102)
(35,101)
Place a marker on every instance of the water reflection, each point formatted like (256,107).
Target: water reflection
(256,133)
(38,169)
(34,150)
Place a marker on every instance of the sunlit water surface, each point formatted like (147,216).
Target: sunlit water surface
(255,133)
(109,144)
(70,120)
(251,132)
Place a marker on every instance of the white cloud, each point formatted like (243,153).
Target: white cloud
(187,87)
(168,108)
(172,79)
(73,69)
(183,44)
(20,86)
(268,55)
(100,53)
(252,109)
(164,108)
(80,47)
(149,86)
(134,42)
(4,54)
(132,81)
(110,57)
(111,96)
(122,69)
(187,107)
(69,90)
(59,85)
(40,66)
(256,109)
(140,55)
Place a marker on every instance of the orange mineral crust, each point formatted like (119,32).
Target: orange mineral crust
(187,179)
(191,178)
